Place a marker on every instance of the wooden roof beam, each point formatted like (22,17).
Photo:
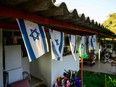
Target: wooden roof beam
(12,13)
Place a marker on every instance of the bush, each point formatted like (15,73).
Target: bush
(110,82)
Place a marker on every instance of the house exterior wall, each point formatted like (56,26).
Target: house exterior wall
(1,60)
(58,67)
(41,68)
(26,64)
(48,70)
(13,63)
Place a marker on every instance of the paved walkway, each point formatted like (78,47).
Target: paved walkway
(101,67)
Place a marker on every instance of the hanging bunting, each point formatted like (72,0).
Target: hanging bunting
(90,43)
(73,45)
(34,38)
(93,43)
(82,47)
(57,44)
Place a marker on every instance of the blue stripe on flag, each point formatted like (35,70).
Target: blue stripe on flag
(75,45)
(55,52)
(61,42)
(89,43)
(92,42)
(27,42)
(43,38)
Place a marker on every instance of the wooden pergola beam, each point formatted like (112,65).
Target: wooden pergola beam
(12,13)
(14,26)
(6,25)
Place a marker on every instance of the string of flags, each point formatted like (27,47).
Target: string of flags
(36,43)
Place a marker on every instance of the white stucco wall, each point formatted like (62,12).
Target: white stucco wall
(1,60)
(58,67)
(26,64)
(48,70)
(41,68)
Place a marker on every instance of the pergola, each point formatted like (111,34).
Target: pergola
(45,13)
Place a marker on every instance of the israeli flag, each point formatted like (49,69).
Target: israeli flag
(73,45)
(57,44)
(93,42)
(82,47)
(34,38)
(90,43)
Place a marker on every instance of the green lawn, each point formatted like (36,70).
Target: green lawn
(92,79)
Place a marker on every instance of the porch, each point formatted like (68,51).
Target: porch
(101,67)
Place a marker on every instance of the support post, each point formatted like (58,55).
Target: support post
(99,58)
(81,71)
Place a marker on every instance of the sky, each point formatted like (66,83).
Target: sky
(98,10)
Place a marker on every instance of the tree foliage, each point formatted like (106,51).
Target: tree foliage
(110,23)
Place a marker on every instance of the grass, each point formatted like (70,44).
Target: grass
(92,79)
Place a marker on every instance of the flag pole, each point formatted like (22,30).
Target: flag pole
(81,71)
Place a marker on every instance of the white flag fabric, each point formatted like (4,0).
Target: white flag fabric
(82,47)
(34,38)
(90,43)
(57,44)
(93,42)
(73,45)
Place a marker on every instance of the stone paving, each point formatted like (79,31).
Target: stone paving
(101,67)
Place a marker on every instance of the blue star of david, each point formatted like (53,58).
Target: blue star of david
(56,41)
(34,34)
(82,46)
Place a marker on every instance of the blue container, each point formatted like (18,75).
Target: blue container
(78,82)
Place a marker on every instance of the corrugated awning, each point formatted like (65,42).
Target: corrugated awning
(46,13)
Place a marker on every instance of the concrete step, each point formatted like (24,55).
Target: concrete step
(35,82)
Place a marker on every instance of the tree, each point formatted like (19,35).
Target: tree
(110,23)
